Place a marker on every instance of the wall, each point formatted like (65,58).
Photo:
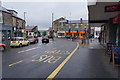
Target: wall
(97,12)
(112,31)
(73,26)
(14,21)
(7,19)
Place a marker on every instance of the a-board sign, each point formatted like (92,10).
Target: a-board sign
(116,55)
(109,48)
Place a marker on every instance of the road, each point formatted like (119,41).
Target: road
(61,58)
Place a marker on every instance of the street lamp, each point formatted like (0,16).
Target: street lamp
(24,15)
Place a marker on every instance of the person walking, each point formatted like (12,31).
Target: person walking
(99,38)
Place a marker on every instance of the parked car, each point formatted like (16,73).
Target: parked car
(45,39)
(32,39)
(67,36)
(18,41)
(2,47)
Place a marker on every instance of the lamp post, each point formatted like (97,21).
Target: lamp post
(24,15)
(24,25)
(52,27)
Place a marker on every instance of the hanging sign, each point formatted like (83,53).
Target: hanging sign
(116,19)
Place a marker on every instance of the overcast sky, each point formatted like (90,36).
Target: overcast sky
(40,13)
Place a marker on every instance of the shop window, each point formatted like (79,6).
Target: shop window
(9,34)
(20,39)
(3,36)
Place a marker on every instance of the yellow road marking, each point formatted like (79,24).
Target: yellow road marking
(58,51)
(43,57)
(55,72)
(54,60)
(15,63)
(61,52)
(48,59)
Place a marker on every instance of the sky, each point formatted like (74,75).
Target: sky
(40,13)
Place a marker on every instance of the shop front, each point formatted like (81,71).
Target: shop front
(6,34)
(75,34)
(104,34)
(116,24)
(20,33)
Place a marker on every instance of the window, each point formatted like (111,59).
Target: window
(9,34)
(25,40)
(1,17)
(20,39)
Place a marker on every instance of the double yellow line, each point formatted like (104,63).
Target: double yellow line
(55,72)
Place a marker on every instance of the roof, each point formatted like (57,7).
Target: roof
(7,11)
(63,21)
(12,10)
(78,21)
(4,9)
(59,19)
(17,17)
(30,27)
(73,21)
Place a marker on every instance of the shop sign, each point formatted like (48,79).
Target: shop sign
(112,8)
(116,19)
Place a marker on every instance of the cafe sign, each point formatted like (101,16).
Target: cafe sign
(112,8)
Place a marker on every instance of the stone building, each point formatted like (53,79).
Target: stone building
(32,30)
(75,27)
(10,25)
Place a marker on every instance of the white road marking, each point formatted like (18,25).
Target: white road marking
(28,49)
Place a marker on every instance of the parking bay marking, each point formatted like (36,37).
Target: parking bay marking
(55,72)
(59,51)
(15,63)
(47,58)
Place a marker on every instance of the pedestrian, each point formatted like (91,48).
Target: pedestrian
(72,38)
(83,39)
(99,39)
(91,37)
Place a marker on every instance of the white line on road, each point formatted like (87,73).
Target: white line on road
(28,49)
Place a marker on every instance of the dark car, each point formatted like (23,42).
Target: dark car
(32,39)
(2,47)
(45,39)
(67,36)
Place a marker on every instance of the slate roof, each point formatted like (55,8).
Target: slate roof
(4,9)
(78,21)
(29,27)
(73,21)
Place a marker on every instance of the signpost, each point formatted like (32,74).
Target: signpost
(116,56)
(109,48)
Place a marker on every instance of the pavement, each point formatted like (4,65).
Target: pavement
(60,58)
